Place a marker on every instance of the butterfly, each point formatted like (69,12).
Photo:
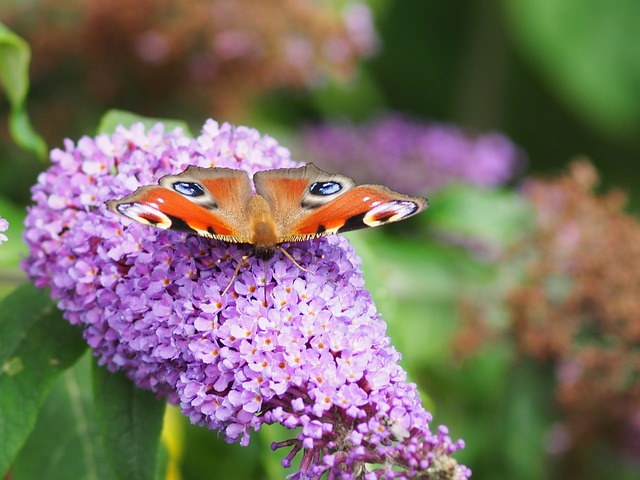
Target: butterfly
(289,205)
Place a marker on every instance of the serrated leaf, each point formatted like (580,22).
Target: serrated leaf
(113,118)
(37,344)
(131,421)
(15,56)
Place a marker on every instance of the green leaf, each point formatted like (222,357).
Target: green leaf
(131,421)
(400,268)
(37,344)
(503,424)
(588,51)
(66,442)
(15,55)
(113,118)
(14,249)
(495,218)
(527,414)
(205,451)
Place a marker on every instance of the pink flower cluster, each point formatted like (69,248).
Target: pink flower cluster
(315,358)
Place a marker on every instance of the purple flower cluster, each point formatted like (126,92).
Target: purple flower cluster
(315,357)
(3,228)
(412,157)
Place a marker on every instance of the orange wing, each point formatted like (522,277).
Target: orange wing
(360,207)
(308,203)
(210,202)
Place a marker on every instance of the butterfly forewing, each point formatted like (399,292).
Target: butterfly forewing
(224,189)
(207,202)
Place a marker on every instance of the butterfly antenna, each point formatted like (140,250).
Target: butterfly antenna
(235,274)
(293,260)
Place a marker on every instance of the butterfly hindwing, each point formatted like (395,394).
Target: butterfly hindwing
(207,202)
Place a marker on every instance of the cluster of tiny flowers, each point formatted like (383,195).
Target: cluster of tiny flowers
(313,356)
(410,156)
(3,228)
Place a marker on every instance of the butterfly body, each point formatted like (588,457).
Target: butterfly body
(289,205)
(264,235)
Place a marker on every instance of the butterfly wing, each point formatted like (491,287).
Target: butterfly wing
(308,203)
(210,202)
(361,207)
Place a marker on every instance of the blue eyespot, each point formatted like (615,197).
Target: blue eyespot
(325,188)
(189,189)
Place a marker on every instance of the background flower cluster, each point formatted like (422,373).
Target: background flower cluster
(413,156)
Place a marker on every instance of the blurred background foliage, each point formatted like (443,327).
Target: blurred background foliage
(513,302)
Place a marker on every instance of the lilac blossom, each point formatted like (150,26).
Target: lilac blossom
(410,156)
(4,225)
(315,357)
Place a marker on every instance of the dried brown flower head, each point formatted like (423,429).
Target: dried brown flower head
(580,306)
(217,54)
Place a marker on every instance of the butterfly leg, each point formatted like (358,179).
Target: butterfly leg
(235,274)
(266,269)
(293,260)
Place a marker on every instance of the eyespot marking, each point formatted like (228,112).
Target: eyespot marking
(325,188)
(144,214)
(189,189)
(389,212)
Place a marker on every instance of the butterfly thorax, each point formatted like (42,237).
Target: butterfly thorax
(264,235)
